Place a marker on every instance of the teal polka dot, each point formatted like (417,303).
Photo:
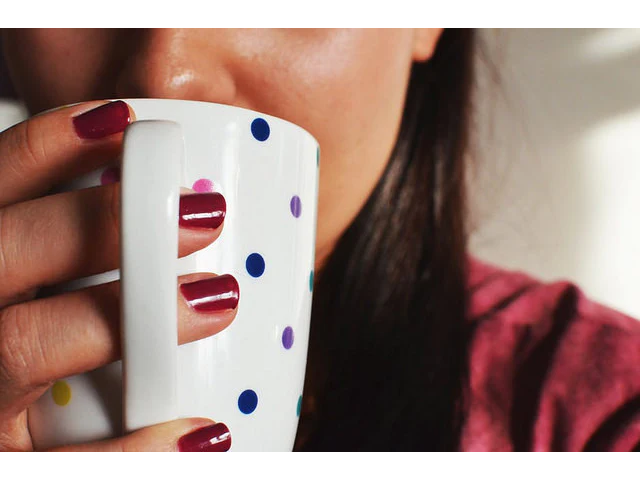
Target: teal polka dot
(299,407)
(311,281)
(318,157)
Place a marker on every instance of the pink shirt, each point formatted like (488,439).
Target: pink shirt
(549,369)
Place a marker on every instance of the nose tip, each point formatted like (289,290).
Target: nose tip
(148,78)
(166,66)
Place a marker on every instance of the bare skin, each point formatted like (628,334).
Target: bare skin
(346,87)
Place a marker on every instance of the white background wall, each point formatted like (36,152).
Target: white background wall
(557,188)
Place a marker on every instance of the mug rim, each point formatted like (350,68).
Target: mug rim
(179,100)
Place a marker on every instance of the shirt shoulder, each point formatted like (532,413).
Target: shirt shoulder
(549,369)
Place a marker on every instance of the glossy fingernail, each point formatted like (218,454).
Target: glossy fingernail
(107,119)
(212,438)
(212,294)
(202,210)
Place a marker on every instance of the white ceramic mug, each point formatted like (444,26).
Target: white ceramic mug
(250,376)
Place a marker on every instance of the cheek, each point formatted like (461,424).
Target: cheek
(357,128)
(52,67)
(346,88)
(350,95)
(358,112)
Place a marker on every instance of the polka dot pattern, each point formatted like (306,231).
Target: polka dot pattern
(61,393)
(287,338)
(110,175)
(296,206)
(203,185)
(260,129)
(255,265)
(248,401)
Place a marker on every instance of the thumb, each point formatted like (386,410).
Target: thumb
(183,435)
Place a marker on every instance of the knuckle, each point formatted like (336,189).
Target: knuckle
(30,144)
(5,236)
(11,356)
(21,244)
(20,348)
(13,434)
(13,246)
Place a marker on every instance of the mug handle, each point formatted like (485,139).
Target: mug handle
(153,155)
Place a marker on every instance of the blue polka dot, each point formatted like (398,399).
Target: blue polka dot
(255,264)
(248,401)
(260,129)
(299,407)
(311,281)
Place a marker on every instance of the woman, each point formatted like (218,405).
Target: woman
(414,345)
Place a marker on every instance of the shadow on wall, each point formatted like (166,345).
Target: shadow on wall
(553,192)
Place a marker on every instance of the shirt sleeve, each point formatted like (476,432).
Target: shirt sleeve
(550,370)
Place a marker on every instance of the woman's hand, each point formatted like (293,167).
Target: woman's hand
(56,238)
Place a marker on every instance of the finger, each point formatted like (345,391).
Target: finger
(75,234)
(56,337)
(55,146)
(183,435)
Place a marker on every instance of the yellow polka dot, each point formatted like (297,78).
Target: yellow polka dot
(61,393)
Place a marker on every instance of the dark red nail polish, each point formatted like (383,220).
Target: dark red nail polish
(212,438)
(202,210)
(212,294)
(107,119)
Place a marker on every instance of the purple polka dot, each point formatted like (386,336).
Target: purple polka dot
(110,175)
(287,338)
(203,185)
(296,206)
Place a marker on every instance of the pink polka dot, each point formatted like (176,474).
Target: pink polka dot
(203,185)
(110,175)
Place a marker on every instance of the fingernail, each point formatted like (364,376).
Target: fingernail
(212,294)
(212,438)
(107,119)
(202,210)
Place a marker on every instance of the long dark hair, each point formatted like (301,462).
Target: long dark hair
(388,346)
